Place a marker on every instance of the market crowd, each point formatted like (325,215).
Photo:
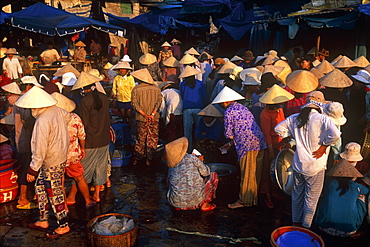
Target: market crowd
(244,109)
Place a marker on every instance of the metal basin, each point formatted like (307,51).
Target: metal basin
(224,171)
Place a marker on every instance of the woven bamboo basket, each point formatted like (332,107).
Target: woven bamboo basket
(127,239)
(365,148)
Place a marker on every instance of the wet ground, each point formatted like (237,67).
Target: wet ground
(140,191)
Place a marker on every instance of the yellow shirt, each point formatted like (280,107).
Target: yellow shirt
(122,87)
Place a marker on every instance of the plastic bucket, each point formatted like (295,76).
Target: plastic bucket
(122,160)
(8,194)
(126,239)
(288,229)
(8,178)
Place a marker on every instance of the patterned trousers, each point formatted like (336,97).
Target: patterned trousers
(48,188)
(305,196)
(147,139)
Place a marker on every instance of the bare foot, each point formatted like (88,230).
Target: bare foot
(62,230)
(42,224)
(235,205)
(23,202)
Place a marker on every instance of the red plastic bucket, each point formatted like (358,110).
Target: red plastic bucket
(8,194)
(8,178)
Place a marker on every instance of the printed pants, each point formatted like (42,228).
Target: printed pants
(147,139)
(305,195)
(49,188)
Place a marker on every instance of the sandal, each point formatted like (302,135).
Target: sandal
(33,226)
(92,204)
(30,205)
(269,204)
(210,208)
(54,234)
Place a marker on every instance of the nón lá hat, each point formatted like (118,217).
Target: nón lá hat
(286,71)
(187,59)
(251,79)
(336,59)
(361,61)
(67,68)
(69,79)
(176,150)
(253,70)
(3,138)
(8,119)
(302,81)
(336,79)
(275,70)
(227,94)
(325,67)
(166,44)
(210,111)
(236,58)
(344,169)
(147,59)
(85,79)
(317,73)
(189,71)
(344,62)
(12,88)
(63,102)
(175,41)
(276,95)
(192,51)
(171,62)
(35,98)
(227,68)
(143,75)
(80,43)
(96,73)
(108,65)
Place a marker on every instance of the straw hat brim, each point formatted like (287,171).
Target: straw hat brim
(336,79)
(3,138)
(344,169)
(85,79)
(171,62)
(276,95)
(143,75)
(210,111)
(176,150)
(35,98)
(361,79)
(346,156)
(9,119)
(226,95)
(147,59)
(12,88)
(189,71)
(63,102)
(187,59)
(302,81)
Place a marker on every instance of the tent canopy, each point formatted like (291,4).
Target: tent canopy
(41,18)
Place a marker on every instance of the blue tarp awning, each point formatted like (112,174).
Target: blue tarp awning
(158,21)
(41,18)
(364,8)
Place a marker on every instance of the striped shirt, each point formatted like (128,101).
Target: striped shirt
(146,97)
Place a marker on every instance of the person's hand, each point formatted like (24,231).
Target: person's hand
(30,178)
(319,152)
(335,162)
(149,117)
(201,158)
(82,153)
(226,146)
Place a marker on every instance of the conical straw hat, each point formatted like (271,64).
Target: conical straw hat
(64,102)
(361,61)
(35,98)
(312,51)
(325,67)
(176,150)
(253,70)
(302,81)
(96,73)
(259,58)
(31,80)
(269,60)
(317,73)
(166,44)
(275,70)
(3,138)
(80,43)
(171,62)
(276,95)
(175,41)
(100,88)
(147,59)
(108,65)
(251,79)
(122,65)
(189,71)
(143,75)
(187,59)
(9,119)
(336,79)
(67,68)
(227,94)
(192,51)
(344,62)
(367,68)
(84,80)
(211,111)
(236,58)
(286,71)
(336,59)
(344,169)
(205,56)
(11,51)
(227,68)
(12,88)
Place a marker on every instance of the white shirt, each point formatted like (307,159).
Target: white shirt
(171,103)
(319,130)
(12,67)
(50,56)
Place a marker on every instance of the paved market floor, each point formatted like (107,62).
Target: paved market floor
(140,191)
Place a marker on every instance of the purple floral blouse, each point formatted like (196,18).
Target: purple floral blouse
(243,128)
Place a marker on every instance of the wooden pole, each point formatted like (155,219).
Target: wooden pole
(317,46)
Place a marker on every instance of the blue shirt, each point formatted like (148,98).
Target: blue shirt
(215,132)
(344,213)
(193,98)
